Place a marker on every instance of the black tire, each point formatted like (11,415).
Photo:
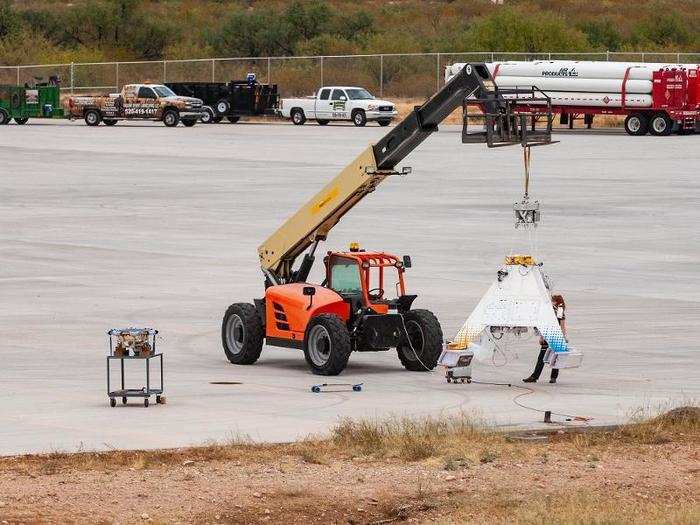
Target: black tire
(636,124)
(159,400)
(4,117)
(322,122)
(242,334)
(218,118)
(223,107)
(124,400)
(109,122)
(92,117)
(660,124)
(327,345)
(233,119)
(425,335)
(189,122)
(207,116)
(384,122)
(298,117)
(112,402)
(145,402)
(21,121)
(171,118)
(359,118)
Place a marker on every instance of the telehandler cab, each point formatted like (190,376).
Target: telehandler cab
(362,304)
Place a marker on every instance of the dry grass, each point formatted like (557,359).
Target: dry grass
(581,507)
(447,470)
(412,439)
(453,440)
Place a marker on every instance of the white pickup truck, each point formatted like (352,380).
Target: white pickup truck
(338,103)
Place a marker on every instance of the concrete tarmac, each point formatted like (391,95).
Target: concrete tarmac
(149,226)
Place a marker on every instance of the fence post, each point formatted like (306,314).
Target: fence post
(116,75)
(607,55)
(678,58)
(492,58)
(18,75)
(321,71)
(437,72)
(165,62)
(268,69)
(381,75)
(72,77)
(212,70)
(643,57)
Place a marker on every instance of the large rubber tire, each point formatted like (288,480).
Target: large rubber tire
(660,124)
(189,122)
(298,117)
(384,122)
(327,345)
(242,334)
(21,121)
(93,117)
(109,122)
(359,118)
(636,124)
(233,119)
(218,118)
(4,117)
(322,122)
(207,116)
(425,335)
(171,118)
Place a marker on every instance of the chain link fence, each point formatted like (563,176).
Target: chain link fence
(414,75)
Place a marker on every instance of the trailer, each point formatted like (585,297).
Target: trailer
(233,99)
(41,100)
(658,99)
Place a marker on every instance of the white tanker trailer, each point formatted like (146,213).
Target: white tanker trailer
(656,98)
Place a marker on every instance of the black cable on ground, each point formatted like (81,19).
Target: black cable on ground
(527,392)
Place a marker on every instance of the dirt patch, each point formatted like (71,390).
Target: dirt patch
(445,471)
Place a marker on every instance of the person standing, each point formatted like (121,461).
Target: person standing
(560,311)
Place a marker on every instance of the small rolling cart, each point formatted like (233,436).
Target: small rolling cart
(127,344)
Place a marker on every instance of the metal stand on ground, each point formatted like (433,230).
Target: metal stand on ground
(133,344)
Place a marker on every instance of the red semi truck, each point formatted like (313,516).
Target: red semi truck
(654,98)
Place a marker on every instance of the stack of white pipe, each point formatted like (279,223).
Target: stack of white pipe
(578,83)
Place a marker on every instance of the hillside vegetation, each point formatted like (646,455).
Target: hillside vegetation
(49,31)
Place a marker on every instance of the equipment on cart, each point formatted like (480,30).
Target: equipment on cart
(133,344)
(362,303)
(458,365)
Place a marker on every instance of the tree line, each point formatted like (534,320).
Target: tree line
(101,30)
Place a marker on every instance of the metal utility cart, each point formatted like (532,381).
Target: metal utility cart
(133,344)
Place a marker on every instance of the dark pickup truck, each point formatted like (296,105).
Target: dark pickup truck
(232,100)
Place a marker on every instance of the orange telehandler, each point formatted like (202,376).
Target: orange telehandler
(354,309)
